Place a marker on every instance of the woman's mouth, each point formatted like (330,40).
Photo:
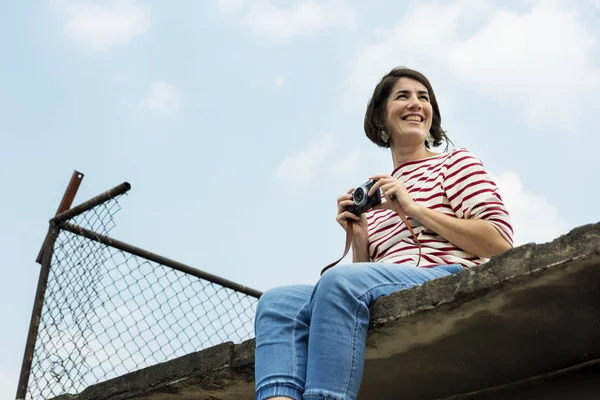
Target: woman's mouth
(413,118)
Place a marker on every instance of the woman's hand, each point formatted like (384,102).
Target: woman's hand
(360,232)
(360,228)
(394,189)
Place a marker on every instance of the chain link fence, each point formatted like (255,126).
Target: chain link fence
(108,311)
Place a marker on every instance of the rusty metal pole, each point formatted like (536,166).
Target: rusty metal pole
(37,312)
(91,203)
(65,204)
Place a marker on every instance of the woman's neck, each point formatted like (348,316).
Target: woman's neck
(401,155)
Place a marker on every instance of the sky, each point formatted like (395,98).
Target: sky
(238,123)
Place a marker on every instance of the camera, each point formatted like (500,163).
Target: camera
(362,202)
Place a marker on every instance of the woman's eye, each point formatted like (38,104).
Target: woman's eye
(401,96)
(425,98)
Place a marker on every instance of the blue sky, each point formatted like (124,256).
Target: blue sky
(238,123)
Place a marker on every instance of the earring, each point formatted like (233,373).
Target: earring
(430,140)
(384,136)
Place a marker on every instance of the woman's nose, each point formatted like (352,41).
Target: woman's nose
(414,104)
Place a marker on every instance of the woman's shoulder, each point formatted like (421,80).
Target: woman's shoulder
(460,152)
(459,155)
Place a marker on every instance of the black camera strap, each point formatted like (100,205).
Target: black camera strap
(349,234)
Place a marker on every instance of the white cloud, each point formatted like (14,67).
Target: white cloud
(229,6)
(303,18)
(101,26)
(323,159)
(348,164)
(534,218)
(301,168)
(163,98)
(280,81)
(593,4)
(541,61)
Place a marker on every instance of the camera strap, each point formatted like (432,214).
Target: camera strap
(349,234)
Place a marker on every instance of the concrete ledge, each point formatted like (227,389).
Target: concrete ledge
(531,311)
(225,370)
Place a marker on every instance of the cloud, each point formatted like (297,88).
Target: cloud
(321,160)
(280,81)
(593,5)
(102,26)
(164,98)
(303,18)
(347,164)
(534,218)
(229,6)
(540,61)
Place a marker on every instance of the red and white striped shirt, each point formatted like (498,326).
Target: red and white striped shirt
(453,183)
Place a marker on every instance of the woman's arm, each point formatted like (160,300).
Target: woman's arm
(477,236)
(480,213)
(360,250)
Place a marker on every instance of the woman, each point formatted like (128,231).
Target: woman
(310,341)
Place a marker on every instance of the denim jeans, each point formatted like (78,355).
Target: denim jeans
(310,340)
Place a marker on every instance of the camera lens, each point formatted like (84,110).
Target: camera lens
(358,196)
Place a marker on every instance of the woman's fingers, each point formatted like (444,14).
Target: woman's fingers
(344,202)
(343,214)
(380,180)
(390,193)
(387,186)
(347,215)
(344,199)
(346,196)
(343,218)
(374,188)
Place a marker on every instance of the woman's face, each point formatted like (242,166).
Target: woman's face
(409,113)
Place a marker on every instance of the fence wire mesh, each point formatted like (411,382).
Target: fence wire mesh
(107,312)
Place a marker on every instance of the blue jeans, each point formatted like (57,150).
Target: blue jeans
(310,340)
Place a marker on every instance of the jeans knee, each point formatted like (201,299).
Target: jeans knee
(269,300)
(337,281)
(282,302)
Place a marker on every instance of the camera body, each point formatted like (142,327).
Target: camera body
(362,202)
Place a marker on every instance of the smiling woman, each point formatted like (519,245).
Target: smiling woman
(310,340)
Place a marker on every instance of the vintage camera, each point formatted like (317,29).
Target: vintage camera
(362,202)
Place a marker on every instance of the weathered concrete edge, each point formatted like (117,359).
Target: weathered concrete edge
(170,376)
(579,243)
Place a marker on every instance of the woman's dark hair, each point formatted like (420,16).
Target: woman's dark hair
(376,109)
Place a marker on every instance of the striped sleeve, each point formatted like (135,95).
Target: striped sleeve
(473,194)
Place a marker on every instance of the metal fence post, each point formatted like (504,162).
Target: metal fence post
(37,311)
